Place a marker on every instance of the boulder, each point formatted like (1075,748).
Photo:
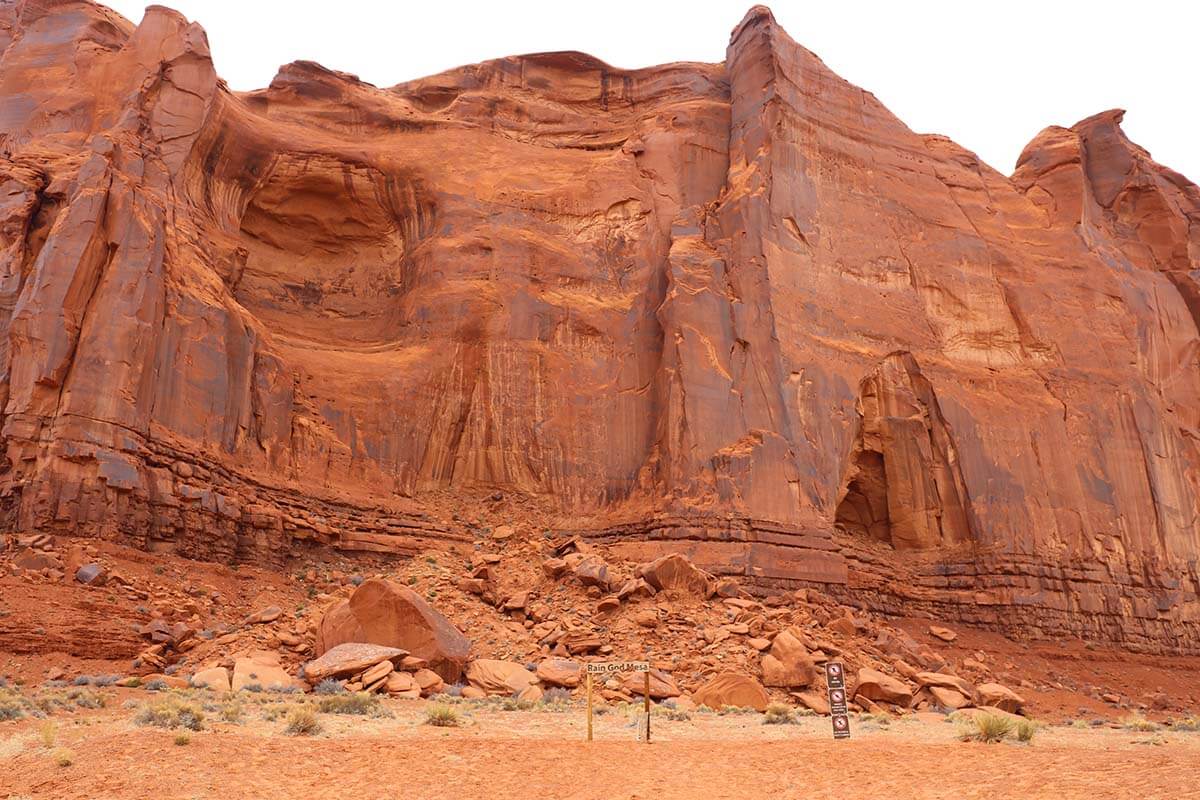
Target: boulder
(788,663)
(945,634)
(338,625)
(662,685)
(428,681)
(262,669)
(385,613)
(215,678)
(813,700)
(948,698)
(264,616)
(531,694)
(874,685)
(349,659)
(675,572)
(947,681)
(401,683)
(732,689)
(994,694)
(377,673)
(494,676)
(593,571)
(560,672)
(36,560)
(91,575)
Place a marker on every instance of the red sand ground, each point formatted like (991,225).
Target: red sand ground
(541,755)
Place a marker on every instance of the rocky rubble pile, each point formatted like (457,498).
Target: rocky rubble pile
(521,615)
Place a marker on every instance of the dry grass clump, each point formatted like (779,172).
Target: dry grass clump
(361,703)
(442,716)
(48,733)
(1136,722)
(232,711)
(778,714)
(63,757)
(1026,729)
(302,721)
(13,705)
(171,712)
(182,739)
(988,728)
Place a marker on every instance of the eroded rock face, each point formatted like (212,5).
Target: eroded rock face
(739,308)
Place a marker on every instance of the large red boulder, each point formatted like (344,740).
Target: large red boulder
(788,664)
(676,572)
(732,689)
(386,613)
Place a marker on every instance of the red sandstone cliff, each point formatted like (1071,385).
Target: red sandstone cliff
(736,306)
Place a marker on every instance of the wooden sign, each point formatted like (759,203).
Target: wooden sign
(613,668)
(610,667)
(835,682)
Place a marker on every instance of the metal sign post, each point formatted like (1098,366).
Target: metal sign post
(612,668)
(835,682)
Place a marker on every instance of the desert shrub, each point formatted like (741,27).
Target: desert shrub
(302,721)
(361,703)
(82,680)
(48,733)
(1190,724)
(232,711)
(156,685)
(182,739)
(253,688)
(988,728)
(54,684)
(442,716)
(64,757)
(1080,724)
(1026,729)
(778,714)
(453,690)
(679,715)
(515,703)
(1136,722)
(880,719)
(553,696)
(171,712)
(85,698)
(12,705)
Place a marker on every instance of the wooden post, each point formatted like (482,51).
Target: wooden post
(589,702)
(647,707)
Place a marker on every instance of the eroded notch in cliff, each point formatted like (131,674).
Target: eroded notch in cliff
(902,484)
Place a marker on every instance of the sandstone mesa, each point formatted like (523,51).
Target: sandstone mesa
(737,311)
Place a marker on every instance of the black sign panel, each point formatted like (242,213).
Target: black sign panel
(835,675)
(835,680)
(837,701)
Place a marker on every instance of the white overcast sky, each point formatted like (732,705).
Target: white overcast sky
(988,74)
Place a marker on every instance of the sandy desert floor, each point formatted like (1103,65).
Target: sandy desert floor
(542,754)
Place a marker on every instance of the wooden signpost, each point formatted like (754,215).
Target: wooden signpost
(835,682)
(613,668)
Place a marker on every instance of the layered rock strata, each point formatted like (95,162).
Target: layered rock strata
(737,309)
